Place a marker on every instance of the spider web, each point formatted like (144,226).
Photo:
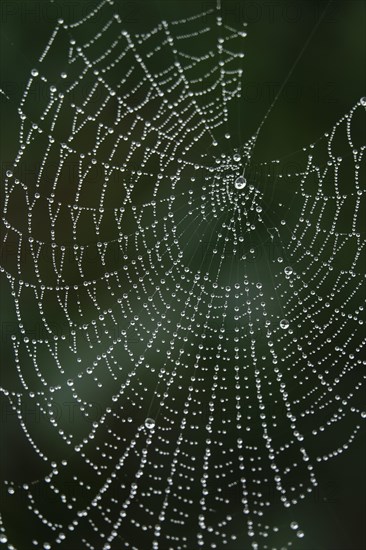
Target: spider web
(201,346)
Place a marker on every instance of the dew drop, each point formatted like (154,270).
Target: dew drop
(284,324)
(150,423)
(240,182)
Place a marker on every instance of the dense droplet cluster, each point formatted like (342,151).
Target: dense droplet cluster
(203,340)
